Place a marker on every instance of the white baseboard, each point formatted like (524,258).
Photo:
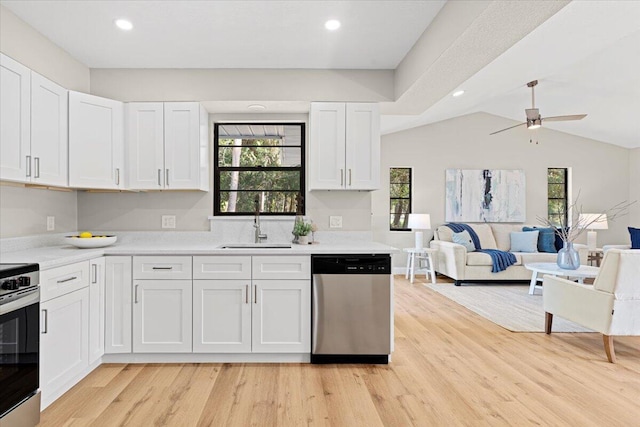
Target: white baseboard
(399,270)
(207,358)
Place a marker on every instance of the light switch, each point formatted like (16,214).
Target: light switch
(51,223)
(168,221)
(335,221)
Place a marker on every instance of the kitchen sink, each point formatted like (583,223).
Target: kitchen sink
(256,246)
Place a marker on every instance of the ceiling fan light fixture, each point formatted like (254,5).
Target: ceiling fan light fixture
(534,124)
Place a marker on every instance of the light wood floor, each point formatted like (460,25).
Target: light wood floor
(450,367)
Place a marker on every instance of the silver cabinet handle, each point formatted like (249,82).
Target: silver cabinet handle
(45,317)
(94,273)
(166,178)
(255,294)
(135,294)
(37,166)
(341,176)
(159,177)
(349,176)
(162,268)
(117,176)
(246,294)
(28,166)
(67,279)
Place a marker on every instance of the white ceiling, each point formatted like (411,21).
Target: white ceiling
(232,34)
(586,57)
(587,60)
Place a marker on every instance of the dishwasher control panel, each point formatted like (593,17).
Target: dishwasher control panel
(351,264)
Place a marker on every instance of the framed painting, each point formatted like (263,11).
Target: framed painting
(485,195)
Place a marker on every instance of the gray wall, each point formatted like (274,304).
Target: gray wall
(599,171)
(634,187)
(23,211)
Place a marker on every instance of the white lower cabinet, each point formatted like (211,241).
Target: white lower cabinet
(96,308)
(64,343)
(221,316)
(162,316)
(281,317)
(118,290)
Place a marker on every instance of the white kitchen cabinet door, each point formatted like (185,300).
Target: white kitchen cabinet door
(118,292)
(15,116)
(145,145)
(96,308)
(327,146)
(182,145)
(64,343)
(363,147)
(281,316)
(96,142)
(49,124)
(162,316)
(222,316)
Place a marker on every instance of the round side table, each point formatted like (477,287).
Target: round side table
(425,255)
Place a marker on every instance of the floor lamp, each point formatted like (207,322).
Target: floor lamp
(419,222)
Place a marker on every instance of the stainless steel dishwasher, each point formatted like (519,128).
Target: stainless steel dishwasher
(351,313)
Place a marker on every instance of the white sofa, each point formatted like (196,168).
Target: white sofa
(454,261)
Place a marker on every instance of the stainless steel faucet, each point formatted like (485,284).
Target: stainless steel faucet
(259,237)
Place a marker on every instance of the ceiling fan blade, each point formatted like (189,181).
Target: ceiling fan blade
(511,127)
(564,118)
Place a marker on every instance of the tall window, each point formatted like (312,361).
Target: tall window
(259,164)
(400,198)
(557,196)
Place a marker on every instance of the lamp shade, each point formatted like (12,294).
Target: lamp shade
(419,221)
(591,221)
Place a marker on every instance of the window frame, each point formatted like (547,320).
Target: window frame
(410,198)
(566,194)
(217,169)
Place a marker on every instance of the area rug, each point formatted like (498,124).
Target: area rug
(509,306)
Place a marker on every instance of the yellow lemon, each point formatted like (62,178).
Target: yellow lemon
(86,235)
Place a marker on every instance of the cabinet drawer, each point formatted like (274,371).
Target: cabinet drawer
(162,267)
(281,267)
(222,267)
(62,280)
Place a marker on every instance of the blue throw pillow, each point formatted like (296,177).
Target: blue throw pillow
(559,243)
(524,241)
(464,238)
(635,237)
(546,239)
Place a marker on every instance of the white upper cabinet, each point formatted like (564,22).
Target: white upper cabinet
(344,146)
(96,142)
(15,115)
(145,145)
(167,146)
(49,144)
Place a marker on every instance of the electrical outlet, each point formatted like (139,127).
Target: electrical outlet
(168,221)
(335,221)
(51,223)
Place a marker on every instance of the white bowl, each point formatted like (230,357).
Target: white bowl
(91,242)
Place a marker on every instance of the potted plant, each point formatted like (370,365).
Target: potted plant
(301,230)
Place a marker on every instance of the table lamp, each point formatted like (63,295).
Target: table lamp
(593,221)
(419,222)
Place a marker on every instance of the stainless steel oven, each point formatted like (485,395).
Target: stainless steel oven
(19,345)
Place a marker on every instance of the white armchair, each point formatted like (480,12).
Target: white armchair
(611,306)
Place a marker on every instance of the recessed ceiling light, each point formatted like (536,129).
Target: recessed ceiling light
(123,24)
(332,24)
(458,93)
(256,107)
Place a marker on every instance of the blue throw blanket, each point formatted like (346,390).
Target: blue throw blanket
(501,259)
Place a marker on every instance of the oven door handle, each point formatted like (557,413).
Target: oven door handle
(26,299)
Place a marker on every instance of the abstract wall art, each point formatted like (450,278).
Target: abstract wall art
(485,195)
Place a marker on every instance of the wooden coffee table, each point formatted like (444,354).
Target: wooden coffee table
(540,268)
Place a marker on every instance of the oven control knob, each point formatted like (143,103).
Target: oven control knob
(10,285)
(24,281)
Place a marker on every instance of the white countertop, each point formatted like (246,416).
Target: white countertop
(55,256)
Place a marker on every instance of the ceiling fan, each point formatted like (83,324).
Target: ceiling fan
(534,120)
